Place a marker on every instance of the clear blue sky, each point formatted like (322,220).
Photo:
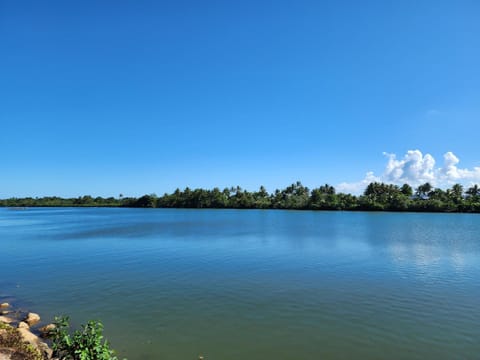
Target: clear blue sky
(135,97)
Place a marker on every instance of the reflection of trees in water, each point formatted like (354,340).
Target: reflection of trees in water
(431,242)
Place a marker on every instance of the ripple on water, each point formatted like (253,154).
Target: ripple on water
(253,284)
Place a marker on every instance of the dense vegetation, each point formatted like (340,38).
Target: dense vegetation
(376,197)
(85,344)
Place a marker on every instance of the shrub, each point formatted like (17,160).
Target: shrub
(84,344)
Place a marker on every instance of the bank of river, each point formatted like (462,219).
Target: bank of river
(252,284)
(21,337)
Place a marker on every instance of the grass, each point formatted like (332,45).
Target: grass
(11,339)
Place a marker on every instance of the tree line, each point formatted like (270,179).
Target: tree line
(376,197)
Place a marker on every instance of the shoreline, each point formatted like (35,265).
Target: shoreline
(23,334)
(357,210)
(375,197)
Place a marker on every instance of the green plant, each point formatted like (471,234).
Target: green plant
(84,344)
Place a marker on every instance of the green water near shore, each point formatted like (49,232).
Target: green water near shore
(229,284)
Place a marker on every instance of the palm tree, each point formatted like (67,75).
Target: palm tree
(424,190)
(327,189)
(473,191)
(457,191)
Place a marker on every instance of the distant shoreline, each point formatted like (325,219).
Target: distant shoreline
(376,197)
(410,211)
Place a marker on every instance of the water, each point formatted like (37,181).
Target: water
(173,284)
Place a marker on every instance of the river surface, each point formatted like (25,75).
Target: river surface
(252,284)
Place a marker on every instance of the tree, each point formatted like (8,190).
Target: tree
(146,201)
(457,191)
(406,190)
(424,190)
(327,189)
(473,191)
(262,198)
(323,197)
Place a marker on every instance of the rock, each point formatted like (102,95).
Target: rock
(45,350)
(13,354)
(7,354)
(44,330)
(23,325)
(26,344)
(34,340)
(27,336)
(4,305)
(4,312)
(32,319)
(5,319)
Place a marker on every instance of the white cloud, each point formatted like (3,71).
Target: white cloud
(415,169)
(450,173)
(358,187)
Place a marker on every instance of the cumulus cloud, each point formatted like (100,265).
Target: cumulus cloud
(415,168)
(450,173)
(358,187)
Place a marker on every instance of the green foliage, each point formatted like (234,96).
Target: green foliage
(84,344)
(406,190)
(11,338)
(325,198)
(424,190)
(376,197)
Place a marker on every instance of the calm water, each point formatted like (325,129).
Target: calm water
(173,284)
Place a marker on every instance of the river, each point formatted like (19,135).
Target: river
(252,284)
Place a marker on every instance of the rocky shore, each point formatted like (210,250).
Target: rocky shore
(22,336)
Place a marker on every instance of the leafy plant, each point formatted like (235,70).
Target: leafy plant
(85,344)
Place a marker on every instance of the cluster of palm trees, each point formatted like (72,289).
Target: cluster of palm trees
(376,197)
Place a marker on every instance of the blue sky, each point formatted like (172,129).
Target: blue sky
(134,97)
